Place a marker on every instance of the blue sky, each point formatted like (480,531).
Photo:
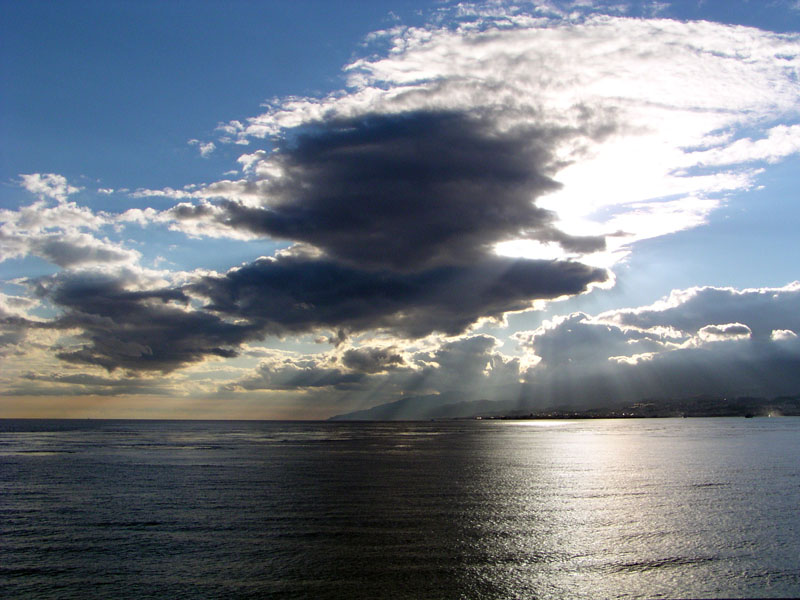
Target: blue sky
(113,90)
(292,210)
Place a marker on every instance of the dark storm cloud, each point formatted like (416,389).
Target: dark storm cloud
(372,360)
(137,330)
(407,191)
(156,329)
(299,293)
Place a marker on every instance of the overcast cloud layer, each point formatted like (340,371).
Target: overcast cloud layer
(480,166)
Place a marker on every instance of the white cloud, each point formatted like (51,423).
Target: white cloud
(780,142)
(141,217)
(250,161)
(167,192)
(48,185)
(63,233)
(779,335)
(38,217)
(205,148)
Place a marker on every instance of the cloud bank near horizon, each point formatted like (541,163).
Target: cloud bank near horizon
(704,340)
(679,347)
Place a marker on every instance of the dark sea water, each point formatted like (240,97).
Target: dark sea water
(601,509)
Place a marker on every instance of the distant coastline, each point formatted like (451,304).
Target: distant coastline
(428,407)
(693,407)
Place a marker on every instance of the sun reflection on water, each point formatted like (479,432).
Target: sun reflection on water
(602,509)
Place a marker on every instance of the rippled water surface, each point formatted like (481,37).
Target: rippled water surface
(477,509)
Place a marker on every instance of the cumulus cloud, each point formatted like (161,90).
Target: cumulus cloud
(16,306)
(42,215)
(674,348)
(58,230)
(471,366)
(127,320)
(48,185)
(459,368)
(762,310)
(582,340)
(351,369)
(783,335)
(205,148)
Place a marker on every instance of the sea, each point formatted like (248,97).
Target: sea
(625,508)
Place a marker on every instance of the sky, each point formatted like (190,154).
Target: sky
(273,210)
